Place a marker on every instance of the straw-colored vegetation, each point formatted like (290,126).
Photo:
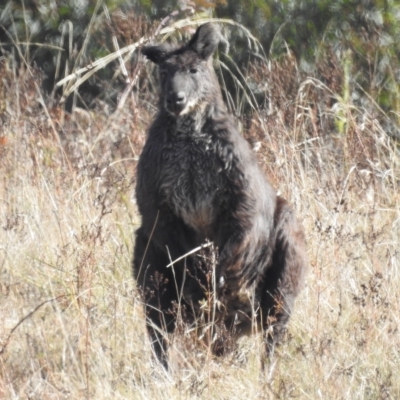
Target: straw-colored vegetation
(72,322)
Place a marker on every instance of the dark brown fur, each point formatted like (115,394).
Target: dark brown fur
(199,180)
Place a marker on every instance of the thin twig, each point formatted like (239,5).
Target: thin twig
(6,341)
(203,246)
(115,43)
(148,242)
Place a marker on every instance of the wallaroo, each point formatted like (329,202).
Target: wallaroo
(198,182)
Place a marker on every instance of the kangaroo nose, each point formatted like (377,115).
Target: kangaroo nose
(176,98)
(180,97)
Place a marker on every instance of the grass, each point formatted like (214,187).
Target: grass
(73,325)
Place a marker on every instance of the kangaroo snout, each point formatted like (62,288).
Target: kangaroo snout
(176,102)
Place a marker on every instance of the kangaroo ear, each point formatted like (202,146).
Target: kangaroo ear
(156,54)
(205,41)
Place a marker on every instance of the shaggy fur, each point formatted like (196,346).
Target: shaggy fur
(198,180)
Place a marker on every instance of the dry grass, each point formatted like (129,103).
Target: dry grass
(73,325)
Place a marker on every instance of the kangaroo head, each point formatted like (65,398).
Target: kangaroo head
(187,77)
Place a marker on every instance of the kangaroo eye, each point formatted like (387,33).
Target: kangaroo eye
(193,71)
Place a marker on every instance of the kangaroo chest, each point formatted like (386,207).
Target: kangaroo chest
(192,183)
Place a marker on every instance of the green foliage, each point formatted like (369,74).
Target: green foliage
(367,32)
(59,36)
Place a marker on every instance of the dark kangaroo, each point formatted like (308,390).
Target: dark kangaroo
(198,180)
